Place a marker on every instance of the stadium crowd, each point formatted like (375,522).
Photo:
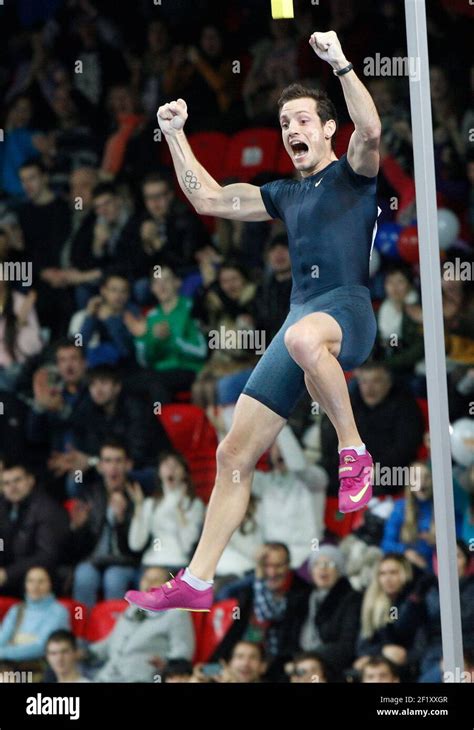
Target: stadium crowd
(114,393)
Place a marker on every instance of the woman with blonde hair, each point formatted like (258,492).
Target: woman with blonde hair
(410,528)
(383,603)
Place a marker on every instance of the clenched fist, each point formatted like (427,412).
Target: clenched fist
(328,47)
(172,117)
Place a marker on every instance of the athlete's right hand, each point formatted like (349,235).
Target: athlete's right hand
(172,117)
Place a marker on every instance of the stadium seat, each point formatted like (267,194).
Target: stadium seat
(103,617)
(343,136)
(6,602)
(78,615)
(189,428)
(214,627)
(211,149)
(252,151)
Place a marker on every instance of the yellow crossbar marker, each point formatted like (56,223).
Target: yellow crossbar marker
(282,9)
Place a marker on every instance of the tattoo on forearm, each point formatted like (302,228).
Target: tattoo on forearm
(191,183)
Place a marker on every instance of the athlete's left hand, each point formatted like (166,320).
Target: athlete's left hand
(328,47)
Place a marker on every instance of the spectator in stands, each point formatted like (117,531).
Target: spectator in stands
(463,482)
(101,324)
(400,337)
(213,85)
(100,522)
(388,419)
(74,141)
(226,308)
(28,624)
(409,529)
(177,671)
(240,555)
(114,237)
(274,66)
(268,606)
(395,118)
(108,410)
(424,612)
(307,667)
(169,233)
(460,391)
(20,144)
(20,336)
(62,657)
(153,64)
(58,390)
(168,340)
(273,295)
(141,644)
(123,106)
(292,498)
(380,670)
(101,64)
(45,222)
(384,602)
(33,528)
(328,622)
(166,525)
(246,664)
(13,446)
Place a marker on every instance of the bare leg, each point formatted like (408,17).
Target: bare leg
(254,429)
(314,343)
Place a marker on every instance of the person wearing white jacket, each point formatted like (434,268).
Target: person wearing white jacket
(292,498)
(168,524)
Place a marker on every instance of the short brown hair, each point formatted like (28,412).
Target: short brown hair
(324,106)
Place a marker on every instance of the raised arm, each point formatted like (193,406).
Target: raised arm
(240,201)
(363,152)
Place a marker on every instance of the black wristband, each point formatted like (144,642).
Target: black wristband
(344,70)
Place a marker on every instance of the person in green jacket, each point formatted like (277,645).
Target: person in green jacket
(168,341)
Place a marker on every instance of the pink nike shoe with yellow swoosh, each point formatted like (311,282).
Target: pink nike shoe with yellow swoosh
(175,593)
(356,480)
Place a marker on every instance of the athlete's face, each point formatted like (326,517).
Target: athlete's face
(306,139)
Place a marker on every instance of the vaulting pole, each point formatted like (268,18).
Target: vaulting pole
(433,325)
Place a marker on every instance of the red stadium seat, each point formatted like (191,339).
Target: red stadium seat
(252,151)
(343,138)
(214,627)
(6,602)
(78,615)
(103,617)
(285,164)
(211,149)
(189,428)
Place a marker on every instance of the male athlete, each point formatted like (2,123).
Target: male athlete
(330,216)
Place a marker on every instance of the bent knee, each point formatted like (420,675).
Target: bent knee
(304,345)
(232,456)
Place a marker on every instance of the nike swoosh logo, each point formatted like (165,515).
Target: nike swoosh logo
(318,183)
(359,496)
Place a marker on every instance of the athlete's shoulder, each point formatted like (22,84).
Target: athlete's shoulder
(274,193)
(356,180)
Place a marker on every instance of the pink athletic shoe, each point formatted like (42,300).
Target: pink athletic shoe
(356,479)
(175,593)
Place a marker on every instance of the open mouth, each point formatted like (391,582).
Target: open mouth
(299,149)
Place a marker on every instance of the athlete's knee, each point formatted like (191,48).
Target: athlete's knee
(233,457)
(304,346)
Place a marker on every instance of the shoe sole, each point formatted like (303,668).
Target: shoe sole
(354,509)
(174,608)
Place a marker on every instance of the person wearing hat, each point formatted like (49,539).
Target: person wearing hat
(329,621)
